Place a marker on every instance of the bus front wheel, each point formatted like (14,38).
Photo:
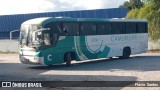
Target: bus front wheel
(126,53)
(68,59)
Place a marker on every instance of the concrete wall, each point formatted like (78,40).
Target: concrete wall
(13,45)
(9,45)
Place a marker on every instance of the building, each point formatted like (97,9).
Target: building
(12,22)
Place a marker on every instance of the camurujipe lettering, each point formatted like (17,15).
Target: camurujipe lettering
(124,38)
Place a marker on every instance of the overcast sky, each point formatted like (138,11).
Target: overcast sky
(36,6)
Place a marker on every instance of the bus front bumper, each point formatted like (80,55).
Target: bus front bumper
(32,60)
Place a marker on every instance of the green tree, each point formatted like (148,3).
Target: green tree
(126,5)
(151,12)
(133,14)
(132,4)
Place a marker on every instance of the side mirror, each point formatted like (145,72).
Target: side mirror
(39,36)
(36,42)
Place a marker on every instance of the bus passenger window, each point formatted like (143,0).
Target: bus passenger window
(118,28)
(47,39)
(70,29)
(108,28)
(88,29)
(101,29)
(146,27)
(141,27)
(54,39)
(130,27)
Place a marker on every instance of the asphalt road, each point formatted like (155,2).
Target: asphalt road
(142,67)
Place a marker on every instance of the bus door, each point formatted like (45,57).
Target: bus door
(47,38)
(50,39)
(49,43)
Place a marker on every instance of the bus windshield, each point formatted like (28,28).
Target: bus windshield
(23,35)
(27,35)
(23,38)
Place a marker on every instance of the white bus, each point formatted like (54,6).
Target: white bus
(51,40)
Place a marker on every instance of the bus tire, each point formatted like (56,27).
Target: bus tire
(68,59)
(110,58)
(126,53)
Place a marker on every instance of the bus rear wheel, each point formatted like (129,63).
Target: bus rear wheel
(126,53)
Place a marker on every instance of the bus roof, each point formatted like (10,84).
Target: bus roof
(35,20)
(44,20)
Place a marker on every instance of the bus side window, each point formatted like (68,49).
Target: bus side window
(54,39)
(82,29)
(123,29)
(94,29)
(47,39)
(141,27)
(146,27)
(130,27)
(88,29)
(70,29)
(108,28)
(55,27)
(101,29)
(118,28)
